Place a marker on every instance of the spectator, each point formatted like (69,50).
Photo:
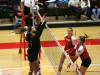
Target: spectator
(27,6)
(85,5)
(18,18)
(75,4)
(62,1)
(96,8)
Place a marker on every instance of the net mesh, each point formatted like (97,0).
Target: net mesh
(53,53)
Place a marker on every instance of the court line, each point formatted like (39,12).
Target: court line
(48,59)
(41,67)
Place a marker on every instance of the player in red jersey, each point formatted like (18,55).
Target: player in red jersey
(82,53)
(70,43)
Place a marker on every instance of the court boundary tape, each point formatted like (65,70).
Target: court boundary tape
(41,67)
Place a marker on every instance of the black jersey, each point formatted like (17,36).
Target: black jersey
(18,14)
(34,42)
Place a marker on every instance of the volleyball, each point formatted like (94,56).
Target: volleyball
(36,7)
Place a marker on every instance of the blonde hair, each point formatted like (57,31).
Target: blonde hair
(71,29)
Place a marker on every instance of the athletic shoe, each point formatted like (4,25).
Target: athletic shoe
(85,17)
(94,19)
(97,19)
(12,31)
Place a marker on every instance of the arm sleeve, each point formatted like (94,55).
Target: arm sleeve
(82,4)
(39,32)
(39,26)
(71,50)
(79,52)
(69,2)
(88,3)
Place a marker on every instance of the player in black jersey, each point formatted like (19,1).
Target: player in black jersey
(33,40)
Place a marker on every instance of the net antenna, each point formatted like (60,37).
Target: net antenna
(58,44)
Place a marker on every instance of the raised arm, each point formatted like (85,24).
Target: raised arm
(79,52)
(39,26)
(39,32)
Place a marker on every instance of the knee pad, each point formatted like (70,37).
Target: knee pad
(37,73)
(30,71)
(39,68)
(60,64)
(39,65)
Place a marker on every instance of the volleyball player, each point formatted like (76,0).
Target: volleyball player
(32,37)
(70,43)
(83,54)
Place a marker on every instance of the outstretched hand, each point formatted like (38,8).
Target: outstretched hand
(42,18)
(45,18)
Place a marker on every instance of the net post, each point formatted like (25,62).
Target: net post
(21,33)
(22,36)
(20,43)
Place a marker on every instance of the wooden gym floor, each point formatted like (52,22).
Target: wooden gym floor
(12,63)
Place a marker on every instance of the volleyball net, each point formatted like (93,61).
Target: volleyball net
(53,51)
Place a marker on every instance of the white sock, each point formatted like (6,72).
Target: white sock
(30,71)
(37,73)
(59,73)
(25,31)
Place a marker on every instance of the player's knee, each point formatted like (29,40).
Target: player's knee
(60,64)
(39,65)
(37,73)
(30,72)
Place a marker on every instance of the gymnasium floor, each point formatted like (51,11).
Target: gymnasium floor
(13,63)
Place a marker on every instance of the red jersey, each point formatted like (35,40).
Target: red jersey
(82,51)
(68,43)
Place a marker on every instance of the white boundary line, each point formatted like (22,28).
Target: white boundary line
(41,67)
(48,59)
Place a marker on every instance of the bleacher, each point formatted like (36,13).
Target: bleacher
(53,10)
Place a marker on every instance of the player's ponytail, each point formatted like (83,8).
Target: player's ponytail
(86,35)
(19,30)
(83,38)
(29,36)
